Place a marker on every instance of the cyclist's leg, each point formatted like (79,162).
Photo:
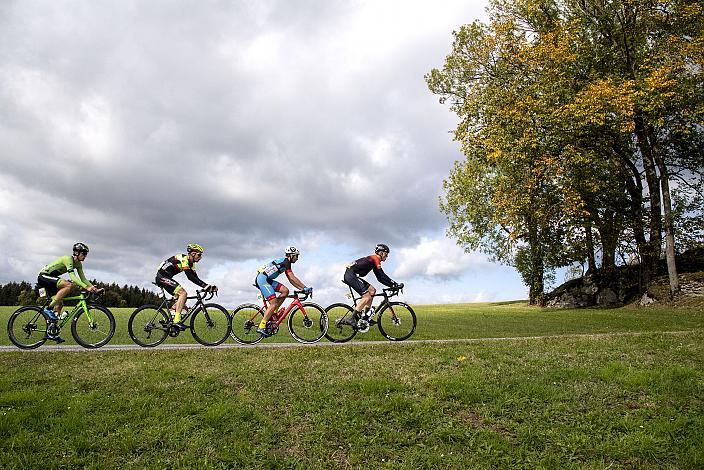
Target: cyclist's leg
(65,287)
(181,295)
(362,288)
(268,290)
(50,285)
(175,289)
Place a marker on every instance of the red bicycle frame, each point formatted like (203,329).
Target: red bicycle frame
(280,315)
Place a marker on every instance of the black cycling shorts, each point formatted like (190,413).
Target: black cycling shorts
(167,283)
(355,282)
(50,283)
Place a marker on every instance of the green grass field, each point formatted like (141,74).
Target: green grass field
(480,320)
(616,401)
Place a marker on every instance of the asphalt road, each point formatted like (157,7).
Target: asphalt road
(264,345)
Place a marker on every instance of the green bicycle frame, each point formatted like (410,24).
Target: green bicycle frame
(81,305)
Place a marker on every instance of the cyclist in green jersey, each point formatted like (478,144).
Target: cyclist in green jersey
(59,288)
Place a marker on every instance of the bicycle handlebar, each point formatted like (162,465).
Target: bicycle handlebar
(391,291)
(209,294)
(304,295)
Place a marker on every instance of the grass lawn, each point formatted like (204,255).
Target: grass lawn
(570,402)
(480,320)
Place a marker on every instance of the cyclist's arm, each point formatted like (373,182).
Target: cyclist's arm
(295,281)
(383,278)
(79,279)
(193,277)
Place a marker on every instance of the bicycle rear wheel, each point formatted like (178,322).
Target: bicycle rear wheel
(245,320)
(96,331)
(27,327)
(339,331)
(147,326)
(309,324)
(397,321)
(210,324)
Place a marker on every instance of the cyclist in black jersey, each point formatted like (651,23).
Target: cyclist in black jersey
(181,263)
(359,269)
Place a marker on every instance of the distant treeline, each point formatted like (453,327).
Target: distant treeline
(23,293)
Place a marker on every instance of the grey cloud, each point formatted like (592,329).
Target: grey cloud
(198,144)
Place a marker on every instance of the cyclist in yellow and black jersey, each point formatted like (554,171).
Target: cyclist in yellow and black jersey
(181,263)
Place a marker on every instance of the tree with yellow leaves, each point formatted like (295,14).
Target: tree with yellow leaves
(575,117)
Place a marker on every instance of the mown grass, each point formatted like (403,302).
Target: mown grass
(482,320)
(561,402)
(618,402)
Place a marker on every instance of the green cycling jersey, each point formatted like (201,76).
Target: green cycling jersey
(66,264)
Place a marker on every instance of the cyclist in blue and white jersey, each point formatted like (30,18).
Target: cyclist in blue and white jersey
(269,287)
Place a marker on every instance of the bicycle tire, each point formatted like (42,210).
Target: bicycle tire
(96,334)
(210,324)
(245,320)
(308,328)
(32,325)
(145,322)
(338,331)
(394,326)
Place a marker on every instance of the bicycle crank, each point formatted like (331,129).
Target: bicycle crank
(362,326)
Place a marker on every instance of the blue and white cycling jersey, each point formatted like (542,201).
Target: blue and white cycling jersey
(276,267)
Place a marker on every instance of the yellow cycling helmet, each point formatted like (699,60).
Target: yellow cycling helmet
(194,247)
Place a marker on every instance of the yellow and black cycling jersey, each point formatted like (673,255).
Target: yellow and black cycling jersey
(180,263)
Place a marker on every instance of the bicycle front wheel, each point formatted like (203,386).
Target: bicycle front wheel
(245,320)
(339,331)
(27,328)
(210,324)
(147,326)
(397,321)
(309,324)
(94,329)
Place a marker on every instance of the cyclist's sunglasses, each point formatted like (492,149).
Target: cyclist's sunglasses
(85,253)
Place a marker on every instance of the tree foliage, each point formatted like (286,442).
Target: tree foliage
(23,293)
(576,118)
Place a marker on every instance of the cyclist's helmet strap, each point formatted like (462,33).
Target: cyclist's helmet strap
(381,247)
(80,247)
(194,247)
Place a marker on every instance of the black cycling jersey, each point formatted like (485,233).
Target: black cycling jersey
(362,266)
(180,263)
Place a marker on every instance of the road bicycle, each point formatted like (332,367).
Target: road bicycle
(396,320)
(92,325)
(150,324)
(307,321)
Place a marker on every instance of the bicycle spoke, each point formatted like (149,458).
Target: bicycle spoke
(308,324)
(397,322)
(210,324)
(245,320)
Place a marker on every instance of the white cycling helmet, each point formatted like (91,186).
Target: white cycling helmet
(292,250)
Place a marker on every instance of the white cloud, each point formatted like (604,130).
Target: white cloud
(245,126)
(438,257)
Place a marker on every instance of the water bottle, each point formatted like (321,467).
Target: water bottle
(62,315)
(368,314)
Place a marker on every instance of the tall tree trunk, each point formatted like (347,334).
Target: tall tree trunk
(634,186)
(608,234)
(536,288)
(652,254)
(591,260)
(669,226)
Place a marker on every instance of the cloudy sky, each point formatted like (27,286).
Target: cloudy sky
(140,126)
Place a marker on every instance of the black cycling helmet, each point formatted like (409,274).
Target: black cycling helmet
(381,247)
(81,247)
